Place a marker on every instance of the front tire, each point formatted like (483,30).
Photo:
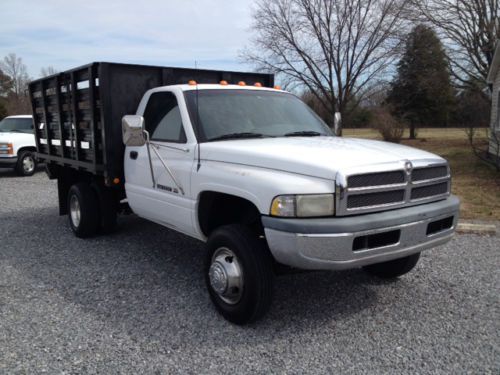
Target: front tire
(238,274)
(393,268)
(83,207)
(26,164)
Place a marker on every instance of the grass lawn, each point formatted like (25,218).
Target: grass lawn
(476,183)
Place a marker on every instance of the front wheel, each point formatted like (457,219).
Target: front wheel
(238,274)
(26,164)
(393,268)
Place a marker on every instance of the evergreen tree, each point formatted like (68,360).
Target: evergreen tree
(421,92)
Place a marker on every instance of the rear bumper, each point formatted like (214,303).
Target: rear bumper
(350,242)
(8,162)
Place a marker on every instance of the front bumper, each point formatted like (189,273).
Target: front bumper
(355,241)
(8,161)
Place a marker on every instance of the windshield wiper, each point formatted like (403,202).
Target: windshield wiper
(303,133)
(237,136)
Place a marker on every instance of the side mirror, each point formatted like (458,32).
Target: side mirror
(133,130)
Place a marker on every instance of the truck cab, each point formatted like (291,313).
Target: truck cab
(17,144)
(247,169)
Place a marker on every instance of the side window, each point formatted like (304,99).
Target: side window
(163,118)
(27,125)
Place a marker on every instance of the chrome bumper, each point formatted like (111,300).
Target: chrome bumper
(334,243)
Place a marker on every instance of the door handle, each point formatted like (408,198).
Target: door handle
(133,155)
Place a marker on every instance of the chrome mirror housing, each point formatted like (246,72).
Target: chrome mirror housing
(133,130)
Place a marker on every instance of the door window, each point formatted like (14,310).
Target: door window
(163,118)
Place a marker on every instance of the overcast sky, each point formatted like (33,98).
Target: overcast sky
(66,34)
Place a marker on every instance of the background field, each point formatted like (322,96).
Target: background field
(477,184)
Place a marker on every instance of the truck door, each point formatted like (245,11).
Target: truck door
(158,181)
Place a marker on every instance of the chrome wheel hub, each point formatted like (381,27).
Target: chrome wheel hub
(28,164)
(74,210)
(226,276)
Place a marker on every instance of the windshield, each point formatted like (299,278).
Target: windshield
(226,114)
(16,125)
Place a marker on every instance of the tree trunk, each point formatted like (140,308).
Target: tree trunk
(339,131)
(412,130)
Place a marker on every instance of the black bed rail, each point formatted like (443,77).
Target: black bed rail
(77,113)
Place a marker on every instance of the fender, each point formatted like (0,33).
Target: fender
(257,185)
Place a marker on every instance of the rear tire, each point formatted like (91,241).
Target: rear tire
(393,268)
(239,274)
(26,164)
(83,207)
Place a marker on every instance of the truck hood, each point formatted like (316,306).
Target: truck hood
(322,157)
(17,138)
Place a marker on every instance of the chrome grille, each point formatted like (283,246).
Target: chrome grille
(376,191)
(429,190)
(376,179)
(375,199)
(420,174)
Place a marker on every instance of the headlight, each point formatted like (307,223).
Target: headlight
(6,149)
(311,205)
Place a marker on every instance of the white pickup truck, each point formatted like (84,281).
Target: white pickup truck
(247,169)
(17,144)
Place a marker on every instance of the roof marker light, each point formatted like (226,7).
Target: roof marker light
(223,83)
(242,83)
(192,83)
(258,84)
(277,87)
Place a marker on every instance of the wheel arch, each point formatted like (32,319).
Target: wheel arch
(216,208)
(26,148)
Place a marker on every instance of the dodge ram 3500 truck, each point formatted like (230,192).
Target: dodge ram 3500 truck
(17,144)
(247,168)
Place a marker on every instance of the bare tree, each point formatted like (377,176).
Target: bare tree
(5,84)
(14,67)
(333,49)
(48,71)
(469,29)
(17,97)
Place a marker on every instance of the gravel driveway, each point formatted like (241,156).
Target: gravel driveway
(135,302)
